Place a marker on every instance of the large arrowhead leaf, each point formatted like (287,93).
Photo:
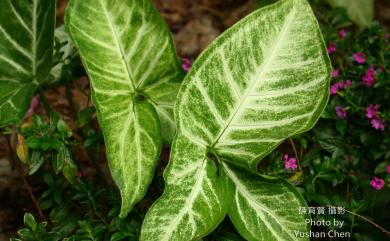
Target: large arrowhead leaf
(263,80)
(26,53)
(263,209)
(192,204)
(359,11)
(130,58)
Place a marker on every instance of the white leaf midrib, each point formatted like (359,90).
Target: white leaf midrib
(34,40)
(258,75)
(188,204)
(118,44)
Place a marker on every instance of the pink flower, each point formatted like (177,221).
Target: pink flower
(348,82)
(378,124)
(377,183)
(186,64)
(79,174)
(388,169)
(331,48)
(338,86)
(368,78)
(380,70)
(334,88)
(340,112)
(360,58)
(342,33)
(290,162)
(372,111)
(335,73)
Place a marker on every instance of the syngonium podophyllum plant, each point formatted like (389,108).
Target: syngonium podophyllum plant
(263,80)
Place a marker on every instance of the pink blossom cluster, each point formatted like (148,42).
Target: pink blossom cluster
(290,162)
(340,112)
(186,64)
(335,73)
(342,33)
(368,78)
(339,86)
(372,113)
(360,58)
(377,183)
(331,48)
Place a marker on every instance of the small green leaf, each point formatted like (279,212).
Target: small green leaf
(118,236)
(67,53)
(69,168)
(26,53)
(26,234)
(35,162)
(58,159)
(29,221)
(381,167)
(64,129)
(52,236)
(85,116)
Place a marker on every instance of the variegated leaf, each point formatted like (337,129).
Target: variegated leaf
(130,58)
(359,11)
(26,53)
(68,54)
(264,79)
(192,204)
(263,209)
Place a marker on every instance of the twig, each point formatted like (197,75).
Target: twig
(32,196)
(92,202)
(29,189)
(367,220)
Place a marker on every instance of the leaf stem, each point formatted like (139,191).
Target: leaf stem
(45,103)
(70,100)
(295,152)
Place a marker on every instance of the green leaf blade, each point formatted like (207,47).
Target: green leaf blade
(263,209)
(129,54)
(263,80)
(359,11)
(192,204)
(26,53)
(136,47)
